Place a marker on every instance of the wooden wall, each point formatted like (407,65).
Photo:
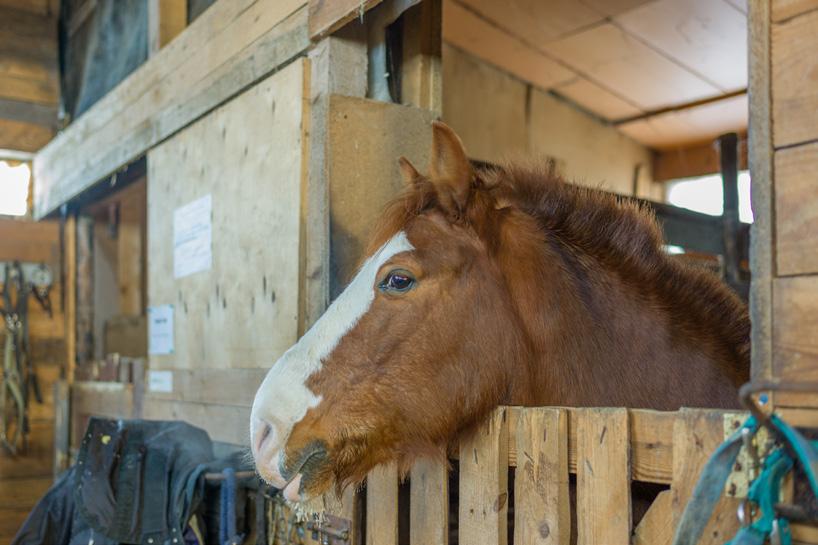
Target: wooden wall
(784,157)
(23,479)
(499,117)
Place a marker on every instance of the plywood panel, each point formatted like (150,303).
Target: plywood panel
(620,62)
(535,21)
(691,125)
(795,345)
(228,48)
(366,138)
(597,99)
(463,29)
(485,106)
(219,386)
(796,194)
(247,155)
(707,36)
(786,9)
(225,423)
(795,80)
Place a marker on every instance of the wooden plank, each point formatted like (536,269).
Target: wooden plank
(227,49)
(542,506)
(787,9)
(686,33)
(429,503)
(603,477)
(166,19)
(651,440)
(228,424)
(327,17)
(365,138)
(483,499)
(421,71)
(597,99)
(795,80)
(69,279)
(211,385)
(62,426)
(796,213)
(22,136)
(696,434)
(10,521)
(129,268)
(382,505)
(85,290)
(697,160)
(36,462)
(612,58)
(795,346)
(656,527)
(760,157)
(23,492)
(243,310)
(465,30)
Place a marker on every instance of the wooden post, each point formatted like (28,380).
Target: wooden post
(69,294)
(84,289)
(542,510)
(382,506)
(421,71)
(603,477)
(484,483)
(62,427)
(429,503)
(166,19)
(129,268)
(728,156)
(760,151)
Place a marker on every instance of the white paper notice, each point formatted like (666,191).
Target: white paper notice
(160,329)
(160,381)
(192,237)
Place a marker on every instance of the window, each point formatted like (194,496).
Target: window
(704,194)
(14,184)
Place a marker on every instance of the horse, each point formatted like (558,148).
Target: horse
(486,287)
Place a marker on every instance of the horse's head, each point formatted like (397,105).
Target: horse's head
(418,346)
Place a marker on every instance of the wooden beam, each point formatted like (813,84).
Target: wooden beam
(230,47)
(760,152)
(17,136)
(28,112)
(698,160)
(166,19)
(327,17)
(85,289)
(421,77)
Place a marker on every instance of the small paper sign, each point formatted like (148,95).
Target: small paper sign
(160,381)
(160,330)
(192,237)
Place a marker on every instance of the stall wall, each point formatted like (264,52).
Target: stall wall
(233,319)
(501,117)
(25,477)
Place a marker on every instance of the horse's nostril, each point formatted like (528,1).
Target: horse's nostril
(263,435)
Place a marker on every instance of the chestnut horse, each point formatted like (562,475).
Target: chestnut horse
(488,287)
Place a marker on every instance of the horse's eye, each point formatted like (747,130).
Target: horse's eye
(399,281)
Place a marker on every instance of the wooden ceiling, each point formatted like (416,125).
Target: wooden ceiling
(28,73)
(631,62)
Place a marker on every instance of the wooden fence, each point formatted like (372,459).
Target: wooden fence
(514,479)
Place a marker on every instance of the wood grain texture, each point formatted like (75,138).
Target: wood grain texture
(795,345)
(795,80)
(542,506)
(166,19)
(796,213)
(483,496)
(22,136)
(242,311)
(656,527)
(230,47)
(327,16)
(696,434)
(225,423)
(429,503)
(603,477)
(382,505)
(786,9)
(697,160)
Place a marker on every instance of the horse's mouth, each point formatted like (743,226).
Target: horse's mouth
(304,473)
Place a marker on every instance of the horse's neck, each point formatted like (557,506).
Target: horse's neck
(597,342)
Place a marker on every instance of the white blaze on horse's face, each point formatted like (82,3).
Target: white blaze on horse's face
(283,398)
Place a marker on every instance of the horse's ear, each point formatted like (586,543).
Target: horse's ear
(450,170)
(408,172)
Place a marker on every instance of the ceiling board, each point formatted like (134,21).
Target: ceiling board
(465,30)
(614,7)
(536,21)
(595,99)
(620,62)
(691,125)
(707,36)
